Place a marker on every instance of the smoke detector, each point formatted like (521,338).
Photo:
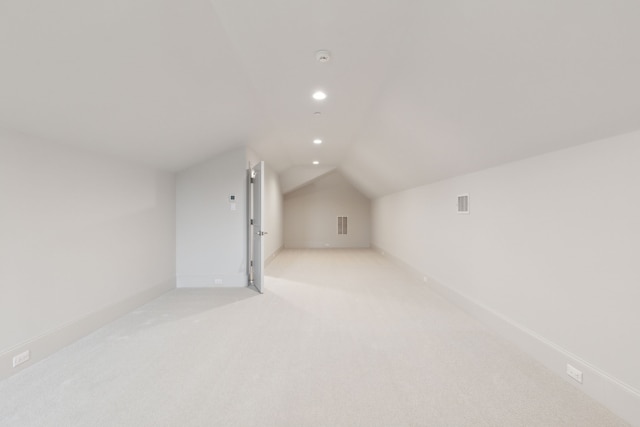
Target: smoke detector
(323,56)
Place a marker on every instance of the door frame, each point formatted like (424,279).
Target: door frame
(255,225)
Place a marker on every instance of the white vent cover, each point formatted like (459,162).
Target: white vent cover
(463,204)
(342,225)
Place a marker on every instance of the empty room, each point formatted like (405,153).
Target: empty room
(336,213)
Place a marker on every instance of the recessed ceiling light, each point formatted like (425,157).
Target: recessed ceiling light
(319,95)
(315,162)
(317,114)
(317,141)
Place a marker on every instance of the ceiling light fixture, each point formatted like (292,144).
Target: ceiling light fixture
(315,162)
(317,114)
(317,141)
(319,95)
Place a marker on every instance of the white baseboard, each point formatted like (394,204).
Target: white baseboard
(272,256)
(54,340)
(213,281)
(219,280)
(619,397)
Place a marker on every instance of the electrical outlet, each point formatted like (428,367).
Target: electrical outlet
(217,281)
(425,279)
(574,373)
(19,359)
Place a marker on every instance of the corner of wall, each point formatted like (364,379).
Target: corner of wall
(272,256)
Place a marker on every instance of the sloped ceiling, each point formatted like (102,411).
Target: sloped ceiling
(418,91)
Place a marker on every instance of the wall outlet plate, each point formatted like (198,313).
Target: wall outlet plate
(19,359)
(574,373)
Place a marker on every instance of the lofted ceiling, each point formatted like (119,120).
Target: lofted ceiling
(418,91)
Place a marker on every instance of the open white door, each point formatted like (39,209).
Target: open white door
(256,233)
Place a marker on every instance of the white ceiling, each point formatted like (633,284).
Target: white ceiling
(418,90)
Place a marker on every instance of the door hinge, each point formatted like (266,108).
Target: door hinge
(252,180)
(251,222)
(251,263)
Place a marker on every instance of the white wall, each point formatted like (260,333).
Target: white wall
(297,176)
(310,214)
(549,253)
(211,237)
(83,238)
(273,215)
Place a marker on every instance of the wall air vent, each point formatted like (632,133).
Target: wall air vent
(342,225)
(463,204)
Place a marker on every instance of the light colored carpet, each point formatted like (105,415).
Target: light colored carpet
(340,338)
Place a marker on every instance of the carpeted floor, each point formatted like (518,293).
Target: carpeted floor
(340,338)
